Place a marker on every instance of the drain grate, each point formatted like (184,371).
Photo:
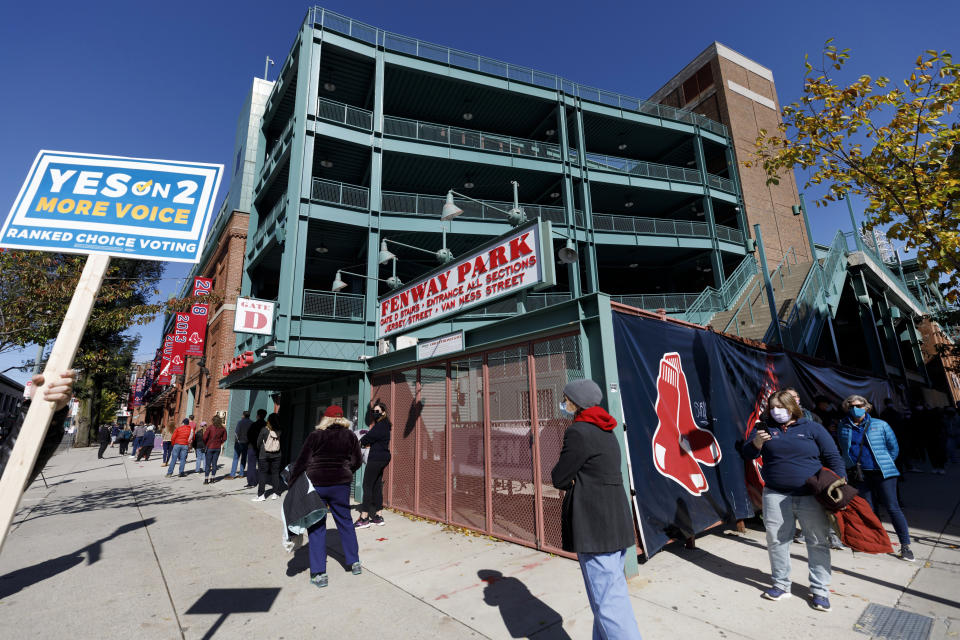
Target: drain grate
(893,624)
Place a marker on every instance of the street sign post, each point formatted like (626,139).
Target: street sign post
(102,206)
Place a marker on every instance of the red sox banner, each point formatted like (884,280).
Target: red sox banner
(689,398)
(181,326)
(166,353)
(197,325)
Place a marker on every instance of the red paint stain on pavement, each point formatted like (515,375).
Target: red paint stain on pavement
(380,539)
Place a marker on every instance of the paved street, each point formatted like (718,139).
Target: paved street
(113,549)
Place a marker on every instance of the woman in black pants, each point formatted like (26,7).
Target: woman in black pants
(268,463)
(378,440)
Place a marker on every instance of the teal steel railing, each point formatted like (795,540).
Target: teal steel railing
(344,114)
(874,256)
(712,300)
(324,18)
(327,304)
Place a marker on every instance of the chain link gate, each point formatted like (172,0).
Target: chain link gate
(464,447)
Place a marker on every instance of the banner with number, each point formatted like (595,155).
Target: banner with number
(197,328)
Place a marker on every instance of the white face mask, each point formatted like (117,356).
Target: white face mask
(780,414)
(564,411)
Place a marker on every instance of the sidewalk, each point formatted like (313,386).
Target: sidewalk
(114,549)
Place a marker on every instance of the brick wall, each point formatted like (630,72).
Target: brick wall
(225,267)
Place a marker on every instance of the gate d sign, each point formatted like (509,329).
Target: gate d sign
(253,316)
(103,206)
(126,207)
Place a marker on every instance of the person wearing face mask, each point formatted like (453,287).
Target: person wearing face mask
(378,440)
(596,521)
(793,450)
(869,448)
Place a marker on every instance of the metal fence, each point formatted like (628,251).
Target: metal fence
(878,261)
(468,138)
(276,217)
(344,114)
(641,168)
(340,193)
(324,304)
(508,306)
(669,302)
(431,206)
(475,437)
(333,21)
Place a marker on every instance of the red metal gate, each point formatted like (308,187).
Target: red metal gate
(465,450)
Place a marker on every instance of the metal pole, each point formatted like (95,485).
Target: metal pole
(771,299)
(853,221)
(36,363)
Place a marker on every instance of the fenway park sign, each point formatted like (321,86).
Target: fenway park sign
(506,266)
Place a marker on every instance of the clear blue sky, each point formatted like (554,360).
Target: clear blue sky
(166,80)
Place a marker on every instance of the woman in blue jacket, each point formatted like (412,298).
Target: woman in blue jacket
(871,443)
(793,449)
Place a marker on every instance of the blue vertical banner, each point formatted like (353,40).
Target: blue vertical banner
(112,205)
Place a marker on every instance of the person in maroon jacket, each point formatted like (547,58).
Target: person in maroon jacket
(329,457)
(213,438)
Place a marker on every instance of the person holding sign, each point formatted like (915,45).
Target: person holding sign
(59,393)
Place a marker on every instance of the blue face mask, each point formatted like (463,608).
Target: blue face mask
(857,412)
(563,411)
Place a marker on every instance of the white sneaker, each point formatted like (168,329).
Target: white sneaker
(274,496)
(258,499)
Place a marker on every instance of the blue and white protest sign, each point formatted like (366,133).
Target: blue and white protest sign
(125,207)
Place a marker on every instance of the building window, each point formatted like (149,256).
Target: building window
(697,84)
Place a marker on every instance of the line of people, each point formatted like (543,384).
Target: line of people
(794,446)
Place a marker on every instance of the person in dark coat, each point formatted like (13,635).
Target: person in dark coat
(378,440)
(103,436)
(253,433)
(793,451)
(596,519)
(329,457)
(214,437)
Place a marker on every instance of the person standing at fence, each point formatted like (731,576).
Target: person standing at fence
(240,446)
(253,434)
(378,457)
(213,439)
(792,451)
(596,519)
(330,456)
(869,448)
(268,459)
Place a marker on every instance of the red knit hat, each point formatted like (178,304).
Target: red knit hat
(333,412)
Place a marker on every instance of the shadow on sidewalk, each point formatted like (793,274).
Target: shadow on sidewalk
(300,561)
(14,581)
(223,602)
(523,613)
(115,498)
(732,570)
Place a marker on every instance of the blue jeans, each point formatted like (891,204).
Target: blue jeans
(239,458)
(875,488)
(211,461)
(179,452)
(779,512)
(338,497)
(167,450)
(136,445)
(606,585)
(201,454)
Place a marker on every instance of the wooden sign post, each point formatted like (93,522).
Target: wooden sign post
(27,447)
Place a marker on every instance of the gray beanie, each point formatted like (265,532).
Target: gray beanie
(583,393)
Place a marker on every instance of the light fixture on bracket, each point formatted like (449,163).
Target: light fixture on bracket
(339,285)
(269,350)
(515,215)
(443,254)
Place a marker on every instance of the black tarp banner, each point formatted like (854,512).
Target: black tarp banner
(689,397)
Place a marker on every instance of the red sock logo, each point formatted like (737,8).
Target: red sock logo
(679,445)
